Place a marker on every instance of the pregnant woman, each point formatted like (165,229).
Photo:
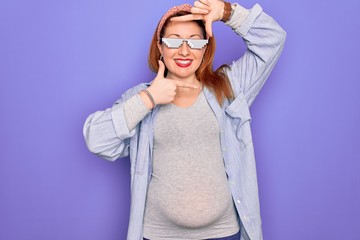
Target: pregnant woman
(187,132)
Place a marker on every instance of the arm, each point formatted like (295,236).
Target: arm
(263,36)
(265,40)
(107,133)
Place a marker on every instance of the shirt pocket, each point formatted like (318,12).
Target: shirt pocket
(240,119)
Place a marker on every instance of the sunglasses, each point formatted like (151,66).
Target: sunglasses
(192,43)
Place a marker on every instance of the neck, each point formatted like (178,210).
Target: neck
(185,93)
(191,79)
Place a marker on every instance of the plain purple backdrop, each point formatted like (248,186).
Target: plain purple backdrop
(62,60)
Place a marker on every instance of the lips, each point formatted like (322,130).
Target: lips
(183,62)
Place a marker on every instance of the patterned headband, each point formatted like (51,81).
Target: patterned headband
(172,12)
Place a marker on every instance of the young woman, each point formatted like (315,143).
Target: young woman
(193,173)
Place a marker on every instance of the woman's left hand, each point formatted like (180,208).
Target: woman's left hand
(207,10)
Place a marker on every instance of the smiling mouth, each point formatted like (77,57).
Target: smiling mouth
(183,62)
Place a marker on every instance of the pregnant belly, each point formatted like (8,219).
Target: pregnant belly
(191,204)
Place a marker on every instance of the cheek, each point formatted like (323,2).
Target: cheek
(200,55)
(168,53)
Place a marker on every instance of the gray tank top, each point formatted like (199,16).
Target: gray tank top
(189,195)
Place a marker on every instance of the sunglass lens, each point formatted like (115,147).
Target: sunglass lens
(172,42)
(197,43)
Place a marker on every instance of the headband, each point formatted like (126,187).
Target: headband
(170,13)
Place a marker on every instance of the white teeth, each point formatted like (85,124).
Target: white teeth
(183,61)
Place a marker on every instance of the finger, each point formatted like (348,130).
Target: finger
(199,4)
(161,69)
(208,28)
(205,2)
(185,84)
(196,10)
(189,17)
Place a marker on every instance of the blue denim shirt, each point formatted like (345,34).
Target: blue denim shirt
(107,135)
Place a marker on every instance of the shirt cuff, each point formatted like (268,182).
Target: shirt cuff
(238,17)
(243,19)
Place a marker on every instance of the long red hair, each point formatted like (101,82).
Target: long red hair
(216,81)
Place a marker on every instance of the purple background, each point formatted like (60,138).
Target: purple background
(62,60)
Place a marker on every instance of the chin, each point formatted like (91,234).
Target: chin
(183,73)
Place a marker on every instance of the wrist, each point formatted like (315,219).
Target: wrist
(148,99)
(227,12)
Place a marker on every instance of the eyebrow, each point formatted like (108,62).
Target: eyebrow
(177,35)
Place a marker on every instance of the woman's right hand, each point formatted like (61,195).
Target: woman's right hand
(208,11)
(162,89)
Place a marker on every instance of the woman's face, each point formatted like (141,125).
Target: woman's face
(183,62)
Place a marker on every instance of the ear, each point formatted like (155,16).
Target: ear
(159,45)
(204,49)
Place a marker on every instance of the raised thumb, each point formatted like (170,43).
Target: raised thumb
(161,69)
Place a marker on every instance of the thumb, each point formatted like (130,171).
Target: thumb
(161,69)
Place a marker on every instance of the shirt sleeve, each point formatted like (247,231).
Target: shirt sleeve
(238,17)
(135,110)
(107,133)
(265,40)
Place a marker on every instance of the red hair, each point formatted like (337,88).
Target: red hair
(216,81)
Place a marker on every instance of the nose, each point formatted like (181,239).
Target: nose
(184,49)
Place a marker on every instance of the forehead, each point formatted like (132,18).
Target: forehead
(184,29)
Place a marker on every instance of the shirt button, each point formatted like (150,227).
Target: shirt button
(238,201)
(224,149)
